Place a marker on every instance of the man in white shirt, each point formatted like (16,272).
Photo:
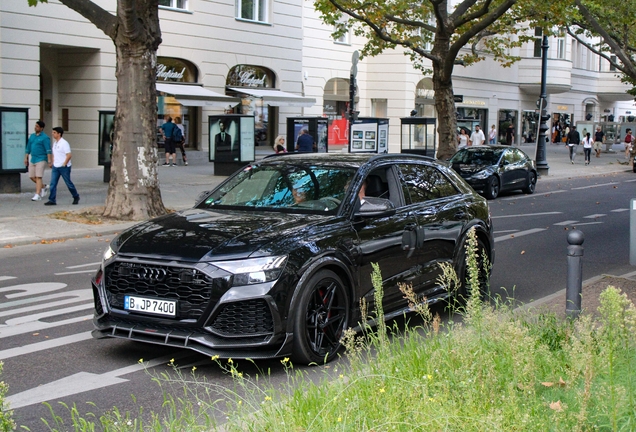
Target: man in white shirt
(477,137)
(61,167)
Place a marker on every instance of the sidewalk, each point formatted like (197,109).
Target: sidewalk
(23,221)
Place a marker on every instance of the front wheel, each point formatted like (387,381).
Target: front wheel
(463,292)
(321,317)
(532,183)
(492,188)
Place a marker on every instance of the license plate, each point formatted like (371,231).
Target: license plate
(152,306)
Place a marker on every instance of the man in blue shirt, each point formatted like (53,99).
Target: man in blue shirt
(37,156)
(305,142)
(167,130)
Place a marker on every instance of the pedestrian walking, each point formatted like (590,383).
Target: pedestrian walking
(167,130)
(587,147)
(179,140)
(629,142)
(61,167)
(37,156)
(492,135)
(477,137)
(510,134)
(599,140)
(572,140)
(462,139)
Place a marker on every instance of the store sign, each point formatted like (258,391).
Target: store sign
(474,102)
(175,70)
(250,76)
(165,74)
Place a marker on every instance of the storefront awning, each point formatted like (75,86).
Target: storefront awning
(276,97)
(196,95)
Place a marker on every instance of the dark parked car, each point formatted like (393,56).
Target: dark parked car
(275,260)
(491,169)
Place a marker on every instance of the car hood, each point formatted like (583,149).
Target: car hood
(469,169)
(201,235)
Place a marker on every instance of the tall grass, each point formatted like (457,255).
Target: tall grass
(496,370)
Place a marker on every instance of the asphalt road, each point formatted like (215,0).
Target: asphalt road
(46,301)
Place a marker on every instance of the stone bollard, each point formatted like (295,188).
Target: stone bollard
(575,274)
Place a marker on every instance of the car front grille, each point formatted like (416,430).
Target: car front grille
(243,318)
(189,286)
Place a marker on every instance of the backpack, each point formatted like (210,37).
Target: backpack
(177,135)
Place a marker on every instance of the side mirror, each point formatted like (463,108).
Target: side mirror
(374,207)
(200,197)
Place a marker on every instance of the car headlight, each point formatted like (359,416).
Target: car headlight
(254,270)
(482,174)
(108,254)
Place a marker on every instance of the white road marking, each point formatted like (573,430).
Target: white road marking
(595,186)
(629,181)
(527,215)
(75,272)
(567,222)
(37,326)
(620,209)
(75,296)
(594,216)
(519,234)
(84,265)
(32,289)
(38,299)
(44,345)
(81,382)
(587,223)
(532,196)
(505,231)
(4,278)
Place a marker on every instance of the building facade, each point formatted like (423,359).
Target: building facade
(273,59)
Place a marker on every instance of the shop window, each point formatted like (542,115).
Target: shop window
(253,10)
(379,108)
(175,4)
(506,118)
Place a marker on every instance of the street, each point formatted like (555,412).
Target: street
(46,300)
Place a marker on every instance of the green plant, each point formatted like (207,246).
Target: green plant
(6,421)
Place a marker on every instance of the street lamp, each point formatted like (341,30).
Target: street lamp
(542,164)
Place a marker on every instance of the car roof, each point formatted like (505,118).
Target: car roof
(345,159)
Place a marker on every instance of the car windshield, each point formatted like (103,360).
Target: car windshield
(477,157)
(293,187)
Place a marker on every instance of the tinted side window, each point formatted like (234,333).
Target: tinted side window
(509,156)
(519,156)
(422,183)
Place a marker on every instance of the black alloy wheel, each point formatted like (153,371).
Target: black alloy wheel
(462,271)
(322,316)
(531,183)
(492,188)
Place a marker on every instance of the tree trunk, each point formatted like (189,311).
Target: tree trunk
(444,100)
(133,192)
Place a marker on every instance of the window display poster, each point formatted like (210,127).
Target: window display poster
(298,126)
(364,137)
(106,136)
(224,139)
(322,133)
(247,139)
(383,132)
(13,140)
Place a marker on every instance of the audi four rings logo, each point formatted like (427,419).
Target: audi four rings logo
(153,274)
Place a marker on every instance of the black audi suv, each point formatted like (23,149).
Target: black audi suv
(275,260)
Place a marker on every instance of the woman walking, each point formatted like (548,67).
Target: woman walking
(587,147)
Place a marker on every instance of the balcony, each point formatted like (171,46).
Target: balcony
(558,79)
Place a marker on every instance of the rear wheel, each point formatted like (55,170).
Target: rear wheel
(531,184)
(492,188)
(321,317)
(462,271)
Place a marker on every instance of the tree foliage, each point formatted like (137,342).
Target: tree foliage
(437,35)
(615,25)
(133,192)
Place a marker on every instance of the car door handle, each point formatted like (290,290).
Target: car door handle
(409,239)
